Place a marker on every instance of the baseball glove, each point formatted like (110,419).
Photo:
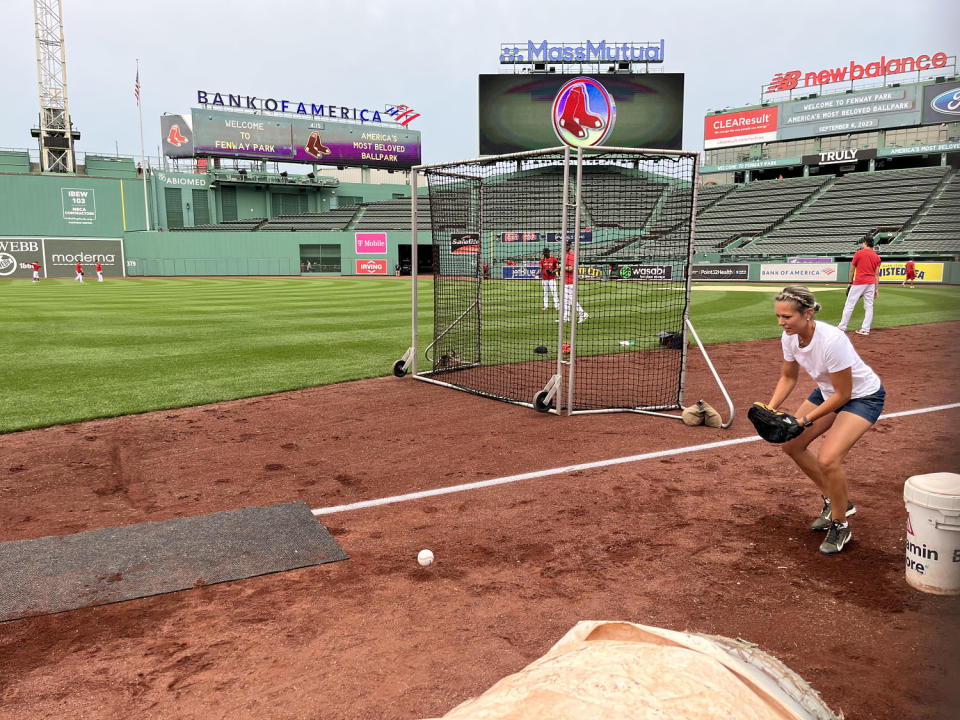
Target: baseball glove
(772,425)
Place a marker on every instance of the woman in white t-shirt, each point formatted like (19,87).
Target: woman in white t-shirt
(846,403)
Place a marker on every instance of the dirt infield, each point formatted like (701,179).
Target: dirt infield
(712,541)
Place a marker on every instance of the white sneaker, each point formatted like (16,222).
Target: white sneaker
(582,318)
(861,331)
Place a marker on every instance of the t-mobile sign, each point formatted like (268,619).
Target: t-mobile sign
(371,243)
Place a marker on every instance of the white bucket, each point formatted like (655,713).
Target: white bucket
(933,532)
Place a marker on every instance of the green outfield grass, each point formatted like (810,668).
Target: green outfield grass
(74,352)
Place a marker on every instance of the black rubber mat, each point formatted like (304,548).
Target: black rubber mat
(54,574)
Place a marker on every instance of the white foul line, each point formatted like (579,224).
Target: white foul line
(574,468)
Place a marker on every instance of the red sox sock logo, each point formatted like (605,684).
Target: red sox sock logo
(583,113)
(315,146)
(175,138)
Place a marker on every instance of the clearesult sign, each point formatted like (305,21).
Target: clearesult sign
(740,128)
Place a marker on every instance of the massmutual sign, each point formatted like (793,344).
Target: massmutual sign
(586,52)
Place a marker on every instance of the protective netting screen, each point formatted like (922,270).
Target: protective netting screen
(502,296)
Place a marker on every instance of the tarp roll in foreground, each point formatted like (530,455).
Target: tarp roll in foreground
(607,670)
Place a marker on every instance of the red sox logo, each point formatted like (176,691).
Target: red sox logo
(583,113)
(175,138)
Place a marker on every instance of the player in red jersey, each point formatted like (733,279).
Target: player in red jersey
(36,271)
(863,284)
(911,273)
(79,272)
(548,278)
(99,272)
(569,270)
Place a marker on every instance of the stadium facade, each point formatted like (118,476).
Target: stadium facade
(803,174)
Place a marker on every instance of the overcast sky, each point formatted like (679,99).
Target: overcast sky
(425,53)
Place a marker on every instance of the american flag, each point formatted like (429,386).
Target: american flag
(136,87)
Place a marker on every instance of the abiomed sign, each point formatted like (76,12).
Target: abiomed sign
(514,53)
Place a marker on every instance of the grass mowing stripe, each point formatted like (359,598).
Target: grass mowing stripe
(74,352)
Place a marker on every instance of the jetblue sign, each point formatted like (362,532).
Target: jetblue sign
(401,114)
(588,52)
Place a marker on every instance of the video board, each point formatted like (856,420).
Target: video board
(221,133)
(850,112)
(516,112)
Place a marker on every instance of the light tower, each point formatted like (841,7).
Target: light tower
(55,133)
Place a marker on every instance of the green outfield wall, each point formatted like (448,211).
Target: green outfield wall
(58,220)
(268,253)
(73,205)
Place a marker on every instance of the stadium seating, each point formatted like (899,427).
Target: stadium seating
(824,216)
(620,199)
(528,203)
(247,225)
(393,215)
(332,220)
(938,229)
(850,207)
(750,210)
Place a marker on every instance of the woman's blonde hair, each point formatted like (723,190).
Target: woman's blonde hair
(800,296)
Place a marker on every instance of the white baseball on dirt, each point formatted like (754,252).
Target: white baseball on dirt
(425,557)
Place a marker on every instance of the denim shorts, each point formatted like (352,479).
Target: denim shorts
(868,407)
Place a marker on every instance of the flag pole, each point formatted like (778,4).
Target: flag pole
(143,159)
